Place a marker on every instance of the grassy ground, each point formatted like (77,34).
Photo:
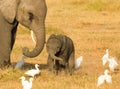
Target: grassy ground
(93,25)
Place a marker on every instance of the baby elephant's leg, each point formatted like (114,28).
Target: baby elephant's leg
(56,67)
(50,63)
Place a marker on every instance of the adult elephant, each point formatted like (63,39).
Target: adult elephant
(29,13)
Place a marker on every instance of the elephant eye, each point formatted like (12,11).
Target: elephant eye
(31,16)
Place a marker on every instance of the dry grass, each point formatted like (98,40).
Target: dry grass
(92,24)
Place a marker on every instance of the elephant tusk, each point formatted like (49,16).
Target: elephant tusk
(59,59)
(32,35)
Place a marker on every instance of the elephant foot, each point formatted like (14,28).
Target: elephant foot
(4,64)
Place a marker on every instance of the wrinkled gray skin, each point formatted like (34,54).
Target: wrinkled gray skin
(29,13)
(61,53)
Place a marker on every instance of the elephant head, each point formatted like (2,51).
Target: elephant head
(31,14)
(53,47)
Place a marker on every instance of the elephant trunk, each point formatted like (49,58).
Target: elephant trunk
(39,30)
(55,57)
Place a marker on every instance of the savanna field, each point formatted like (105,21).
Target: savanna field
(93,25)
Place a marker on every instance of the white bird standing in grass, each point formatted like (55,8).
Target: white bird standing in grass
(112,61)
(105,57)
(33,72)
(112,64)
(20,63)
(26,84)
(78,62)
(104,78)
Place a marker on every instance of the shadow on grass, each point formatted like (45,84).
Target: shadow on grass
(27,66)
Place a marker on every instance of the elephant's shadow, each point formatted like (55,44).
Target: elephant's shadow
(31,66)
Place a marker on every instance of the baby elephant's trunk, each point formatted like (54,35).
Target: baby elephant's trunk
(55,57)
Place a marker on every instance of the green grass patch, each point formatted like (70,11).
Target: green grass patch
(98,5)
(78,2)
(53,30)
(10,74)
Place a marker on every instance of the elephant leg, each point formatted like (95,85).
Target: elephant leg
(56,67)
(5,47)
(71,64)
(13,35)
(66,68)
(50,63)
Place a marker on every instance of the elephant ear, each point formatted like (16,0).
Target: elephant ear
(8,9)
(63,39)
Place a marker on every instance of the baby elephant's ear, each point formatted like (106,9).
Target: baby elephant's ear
(63,42)
(8,9)
(64,38)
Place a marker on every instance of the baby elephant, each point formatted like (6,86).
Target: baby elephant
(61,53)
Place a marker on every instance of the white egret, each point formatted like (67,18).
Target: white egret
(105,57)
(101,80)
(112,64)
(26,84)
(104,78)
(108,78)
(78,62)
(33,72)
(20,63)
